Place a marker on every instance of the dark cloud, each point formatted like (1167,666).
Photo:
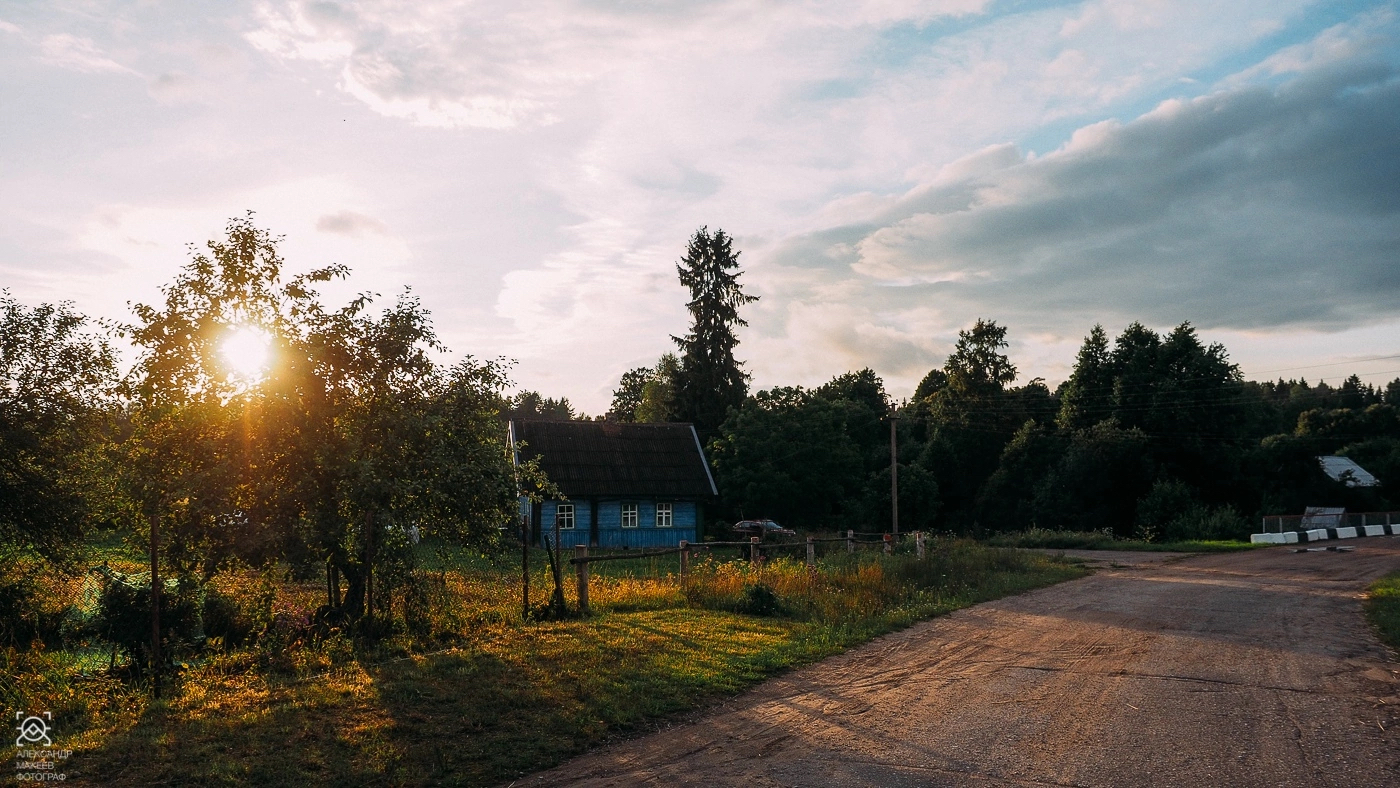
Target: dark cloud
(1252,207)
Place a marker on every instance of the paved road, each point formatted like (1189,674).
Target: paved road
(1245,669)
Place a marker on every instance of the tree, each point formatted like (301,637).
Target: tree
(647,394)
(711,381)
(1088,392)
(787,455)
(56,392)
(658,403)
(353,427)
(627,397)
(532,404)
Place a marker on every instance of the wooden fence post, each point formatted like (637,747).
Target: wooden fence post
(919,544)
(685,563)
(581,552)
(753,550)
(525,567)
(850,541)
(811,552)
(889,544)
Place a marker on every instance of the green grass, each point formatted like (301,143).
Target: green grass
(1100,540)
(506,697)
(1383,608)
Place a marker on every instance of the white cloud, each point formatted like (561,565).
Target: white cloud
(78,54)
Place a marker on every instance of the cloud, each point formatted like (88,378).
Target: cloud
(483,64)
(351,224)
(78,54)
(1245,208)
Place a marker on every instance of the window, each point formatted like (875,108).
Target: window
(629,515)
(564,516)
(663,515)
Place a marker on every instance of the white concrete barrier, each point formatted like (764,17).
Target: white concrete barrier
(1375,530)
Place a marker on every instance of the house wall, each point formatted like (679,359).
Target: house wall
(611,534)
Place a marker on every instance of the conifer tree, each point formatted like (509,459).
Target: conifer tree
(710,380)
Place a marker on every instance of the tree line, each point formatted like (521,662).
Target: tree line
(1154,436)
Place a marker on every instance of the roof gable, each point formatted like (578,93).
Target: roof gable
(600,458)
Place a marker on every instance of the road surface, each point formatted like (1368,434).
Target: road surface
(1242,669)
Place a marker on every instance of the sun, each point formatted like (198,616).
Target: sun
(246,351)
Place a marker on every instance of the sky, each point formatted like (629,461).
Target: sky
(892,171)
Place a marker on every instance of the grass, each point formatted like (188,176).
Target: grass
(1383,609)
(499,698)
(1101,540)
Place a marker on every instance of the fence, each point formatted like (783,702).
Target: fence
(98,619)
(757,551)
(1303,522)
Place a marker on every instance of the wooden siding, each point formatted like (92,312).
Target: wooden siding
(611,534)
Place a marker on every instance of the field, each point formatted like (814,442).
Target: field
(460,691)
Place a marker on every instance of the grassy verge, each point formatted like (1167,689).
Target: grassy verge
(1099,540)
(506,698)
(1383,608)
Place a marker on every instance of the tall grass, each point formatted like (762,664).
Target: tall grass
(461,690)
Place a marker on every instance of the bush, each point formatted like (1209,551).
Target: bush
(124,616)
(759,600)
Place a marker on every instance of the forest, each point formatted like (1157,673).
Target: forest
(1154,437)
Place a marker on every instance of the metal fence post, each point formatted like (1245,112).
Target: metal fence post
(850,541)
(581,567)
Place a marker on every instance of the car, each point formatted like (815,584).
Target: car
(761,529)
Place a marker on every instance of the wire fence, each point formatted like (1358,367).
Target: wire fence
(98,618)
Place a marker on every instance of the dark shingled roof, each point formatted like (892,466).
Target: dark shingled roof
(587,458)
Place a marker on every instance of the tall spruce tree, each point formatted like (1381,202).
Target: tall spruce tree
(710,380)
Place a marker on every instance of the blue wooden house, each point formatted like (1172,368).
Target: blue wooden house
(627,485)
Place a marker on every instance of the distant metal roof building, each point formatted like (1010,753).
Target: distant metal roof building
(601,458)
(1346,471)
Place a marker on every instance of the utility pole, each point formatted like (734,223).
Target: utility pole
(894,474)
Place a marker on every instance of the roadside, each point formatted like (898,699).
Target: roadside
(1244,669)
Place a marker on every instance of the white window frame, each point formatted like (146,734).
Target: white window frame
(634,511)
(664,515)
(564,516)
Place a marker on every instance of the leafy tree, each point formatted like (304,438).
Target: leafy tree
(56,396)
(1088,392)
(532,404)
(785,454)
(932,383)
(353,433)
(658,403)
(711,380)
(628,395)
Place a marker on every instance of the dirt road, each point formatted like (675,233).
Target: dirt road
(1242,669)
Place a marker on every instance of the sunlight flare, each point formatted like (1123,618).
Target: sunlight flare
(246,352)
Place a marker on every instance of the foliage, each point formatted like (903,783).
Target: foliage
(56,399)
(647,394)
(353,431)
(533,405)
(711,381)
(1383,609)
(513,697)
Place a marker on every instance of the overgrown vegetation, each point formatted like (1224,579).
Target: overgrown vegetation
(1043,538)
(1383,609)
(469,694)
